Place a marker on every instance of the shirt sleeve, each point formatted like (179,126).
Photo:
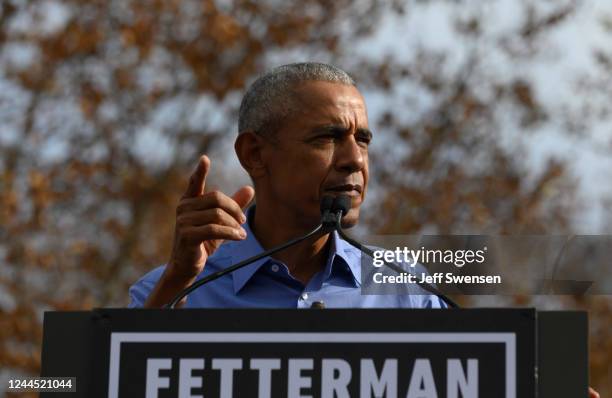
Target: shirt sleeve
(140,290)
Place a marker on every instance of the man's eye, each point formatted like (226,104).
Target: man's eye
(364,140)
(326,137)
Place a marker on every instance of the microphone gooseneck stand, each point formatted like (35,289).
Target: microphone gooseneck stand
(327,224)
(332,210)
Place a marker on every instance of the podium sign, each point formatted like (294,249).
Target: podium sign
(307,353)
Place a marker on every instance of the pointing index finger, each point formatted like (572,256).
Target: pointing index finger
(197,181)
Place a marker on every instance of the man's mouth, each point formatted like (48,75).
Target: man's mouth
(346,189)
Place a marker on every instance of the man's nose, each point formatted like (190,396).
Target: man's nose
(349,155)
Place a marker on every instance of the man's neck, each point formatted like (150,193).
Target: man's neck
(304,259)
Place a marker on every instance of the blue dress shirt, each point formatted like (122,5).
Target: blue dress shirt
(267,282)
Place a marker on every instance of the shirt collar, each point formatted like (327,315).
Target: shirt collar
(348,254)
(250,246)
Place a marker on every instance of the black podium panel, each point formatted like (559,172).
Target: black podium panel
(315,353)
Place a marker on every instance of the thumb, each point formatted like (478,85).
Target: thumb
(244,196)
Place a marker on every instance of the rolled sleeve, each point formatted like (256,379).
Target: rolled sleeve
(140,290)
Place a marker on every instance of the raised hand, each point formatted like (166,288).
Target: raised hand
(203,222)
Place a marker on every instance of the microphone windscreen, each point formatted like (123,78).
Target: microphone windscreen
(341,203)
(326,204)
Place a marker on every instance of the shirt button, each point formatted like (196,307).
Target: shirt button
(304,296)
(274,268)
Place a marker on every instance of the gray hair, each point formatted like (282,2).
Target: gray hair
(270,99)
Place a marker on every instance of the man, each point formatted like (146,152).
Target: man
(303,134)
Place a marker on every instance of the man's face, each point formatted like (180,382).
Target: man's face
(322,149)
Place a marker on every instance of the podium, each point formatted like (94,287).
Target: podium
(486,353)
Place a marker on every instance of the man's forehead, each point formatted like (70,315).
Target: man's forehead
(330,101)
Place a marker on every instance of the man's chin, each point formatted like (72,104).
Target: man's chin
(350,219)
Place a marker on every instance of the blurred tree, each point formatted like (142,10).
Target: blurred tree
(453,169)
(105,105)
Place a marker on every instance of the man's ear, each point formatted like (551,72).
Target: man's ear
(249,147)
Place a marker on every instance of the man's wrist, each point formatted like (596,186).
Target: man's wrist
(169,285)
(174,276)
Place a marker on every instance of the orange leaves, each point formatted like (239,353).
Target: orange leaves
(76,39)
(20,337)
(289,30)
(224,29)
(40,195)
(124,78)
(140,35)
(8,199)
(91,97)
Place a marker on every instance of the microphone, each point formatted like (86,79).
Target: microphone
(341,206)
(327,202)
(331,213)
(328,223)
